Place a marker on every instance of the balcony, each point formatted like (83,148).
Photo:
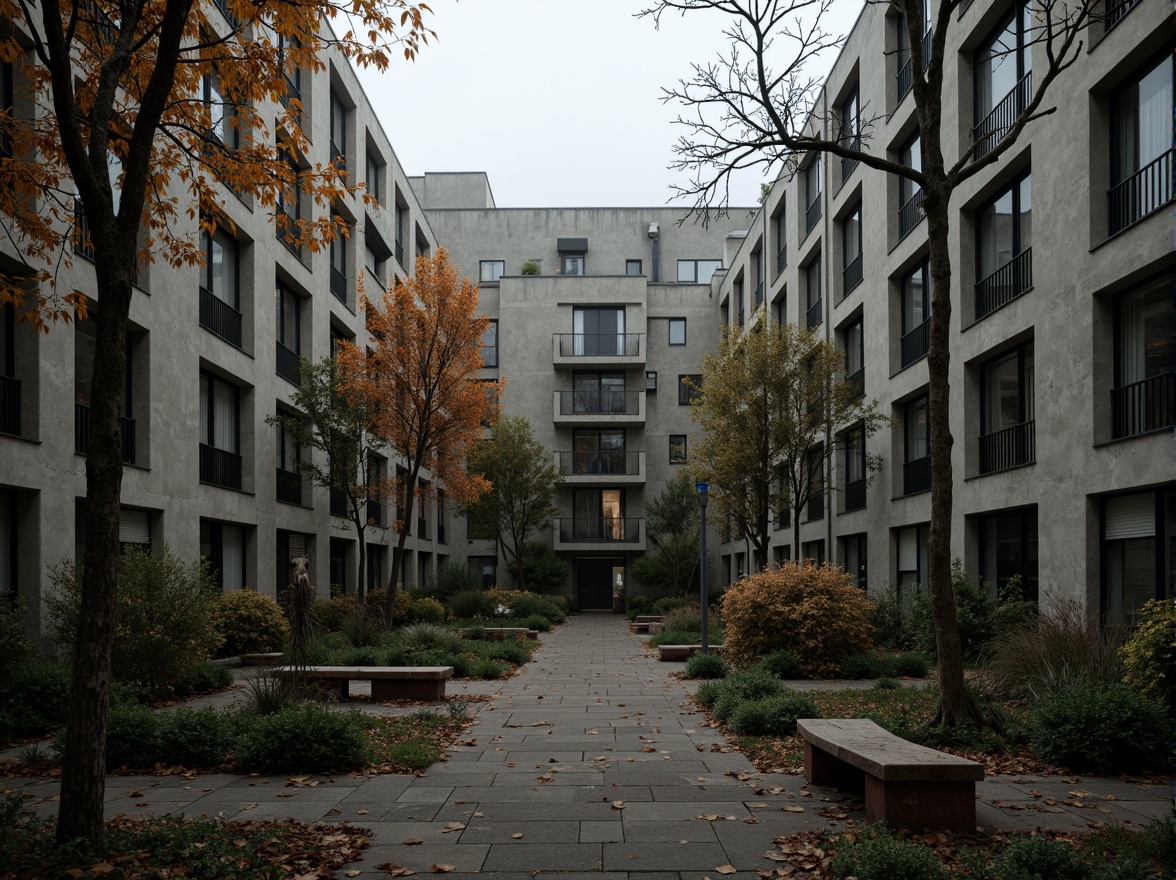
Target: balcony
(855,495)
(9,405)
(916,476)
(991,130)
(910,214)
(1142,193)
(289,486)
(599,407)
(1148,405)
(812,214)
(339,502)
(914,343)
(597,349)
(615,533)
(857,380)
(906,65)
(1005,284)
(1007,448)
(813,316)
(852,276)
(287,365)
(606,465)
(82,433)
(220,317)
(220,468)
(339,285)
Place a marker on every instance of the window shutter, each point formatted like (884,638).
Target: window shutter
(134,526)
(297,544)
(908,550)
(1131,516)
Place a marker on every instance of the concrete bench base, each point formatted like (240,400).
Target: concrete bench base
(906,785)
(684,652)
(388,682)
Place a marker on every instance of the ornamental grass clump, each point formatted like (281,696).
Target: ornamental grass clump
(814,612)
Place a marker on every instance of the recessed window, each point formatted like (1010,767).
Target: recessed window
(697,271)
(1003,78)
(689,388)
(916,469)
(677,331)
(1004,256)
(851,248)
(490,345)
(912,555)
(491,270)
(1144,391)
(813,186)
(375,174)
(677,449)
(1141,146)
(632,267)
(220,301)
(812,273)
(1008,549)
(338,132)
(1006,410)
(220,458)
(916,314)
(571,264)
(910,194)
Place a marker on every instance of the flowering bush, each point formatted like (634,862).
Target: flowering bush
(814,612)
(250,623)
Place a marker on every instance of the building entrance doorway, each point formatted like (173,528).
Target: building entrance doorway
(594,581)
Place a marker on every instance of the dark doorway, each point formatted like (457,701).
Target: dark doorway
(594,588)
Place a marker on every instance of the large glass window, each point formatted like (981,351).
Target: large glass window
(1004,227)
(1139,551)
(853,338)
(220,272)
(1008,549)
(491,270)
(598,331)
(813,187)
(338,131)
(598,451)
(1141,146)
(1144,396)
(813,283)
(855,469)
(1002,78)
(599,393)
(598,514)
(223,546)
(219,424)
(697,271)
(288,318)
(1006,410)
(910,194)
(851,248)
(916,313)
(916,447)
(855,559)
(221,123)
(490,345)
(374,176)
(779,223)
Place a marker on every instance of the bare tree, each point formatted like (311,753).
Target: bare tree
(756,106)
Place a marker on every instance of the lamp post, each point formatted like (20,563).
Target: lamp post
(703,493)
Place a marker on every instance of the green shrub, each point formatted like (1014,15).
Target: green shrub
(678,637)
(684,620)
(666,604)
(537,622)
(637,605)
(250,623)
(875,854)
(194,738)
(302,739)
(1038,858)
(743,686)
(1101,727)
(1149,657)
(529,267)
(455,576)
(706,666)
(425,610)
(471,605)
(366,656)
(475,634)
(772,716)
(204,678)
(886,684)
(132,737)
(488,669)
(163,619)
(708,692)
(543,569)
(862,666)
(892,618)
(725,704)
(783,665)
(15,649)
(980,615)
(33,700)
(511,651)
(545,606)
(912,664)
(430,635)
(362,626)
(328,614)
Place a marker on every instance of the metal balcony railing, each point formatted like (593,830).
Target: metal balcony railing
(600,403)
(604,530)
(338,284)
(758,299)
(1140,194)
(781,259)
(1007,448)
(813,316)
(599,344)
(9,405)
(812,214)
(914,343)
(1115,10)
(1147,405)
(990,130)
(82,433)
(289,486)
(855,495)
(220,468)
(848,164)
(910,214)
(1009,281)
(852,276)
(604,462)
(906,61)
(916,476)
(338,504)
(220,317)
(287,364)
(857,379)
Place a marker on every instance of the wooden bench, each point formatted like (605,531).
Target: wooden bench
(502,633)
(683,652)
(906,785)
(388,682)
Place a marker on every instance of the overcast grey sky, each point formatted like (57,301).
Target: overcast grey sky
(559,101)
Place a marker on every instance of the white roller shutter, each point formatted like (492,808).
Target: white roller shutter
(1131,516)
(134,526)
(908,550)
(297,544)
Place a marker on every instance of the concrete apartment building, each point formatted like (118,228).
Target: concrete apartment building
(1063,382)
(1063,344)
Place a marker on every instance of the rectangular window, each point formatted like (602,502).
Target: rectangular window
(598,451)
(223,546)
(1141,146)
(375,177)
(1144,394)
(222,127)
(910,194)
(916,313)
(1137,532)
(338,132)
(7,92)
(219,288)
(916,469)
(813,186)
(697,271)
(632,267)
(288,202)
(1003,78)
(491,270)
(571,264)
(490,345)
(1008,549)
(487,569)
(812,274)
(677,449)
(815,509)
(814,550)
(598,515)
(1004,256)
(851,130)
(289,333)
(912,555)
(651,382)
(781,228)
(600,394)
(851,249)
(677,331)
(600,332)
(853,549)
(689,388)
(740,305)
(855,469)
(1006,410)
(289,480)
(220,459)
(854,340)
(338,254)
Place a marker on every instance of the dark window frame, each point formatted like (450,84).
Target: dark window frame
(671,324)
(679,441)
(689,388)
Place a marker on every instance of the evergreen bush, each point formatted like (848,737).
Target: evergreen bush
(783,665)
(1100,727)
(302,739)
(772,716)
(249,623)
(1149,657)
(875,854)
(706,666)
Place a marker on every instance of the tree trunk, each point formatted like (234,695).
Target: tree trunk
(83,766)
(361,546)
(402,538)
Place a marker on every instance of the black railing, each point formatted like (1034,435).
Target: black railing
(603,462)
(812,214)
(220,317)
(852,276)
(905,69)
(83,245)
(289,487)
(815,509)
(287,364)
(914,343)
(855,495)
(1115,10)
(1009,281)
(286,230)
(338,502)
(781,259)
(759,295)
(605,529)
(857,380)
(223,6)
(82,433)
(848,164)
(1147,405)
(375,513)
(338,284)
(742,317)
(916,476)
(813,316)
(400,254)
(9,405)
(220,468)
(1007,448)
(600,403)
(599,344)
(990,130)
(910,214)
(1141,193)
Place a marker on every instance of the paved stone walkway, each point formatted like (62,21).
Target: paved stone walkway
(591,760)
